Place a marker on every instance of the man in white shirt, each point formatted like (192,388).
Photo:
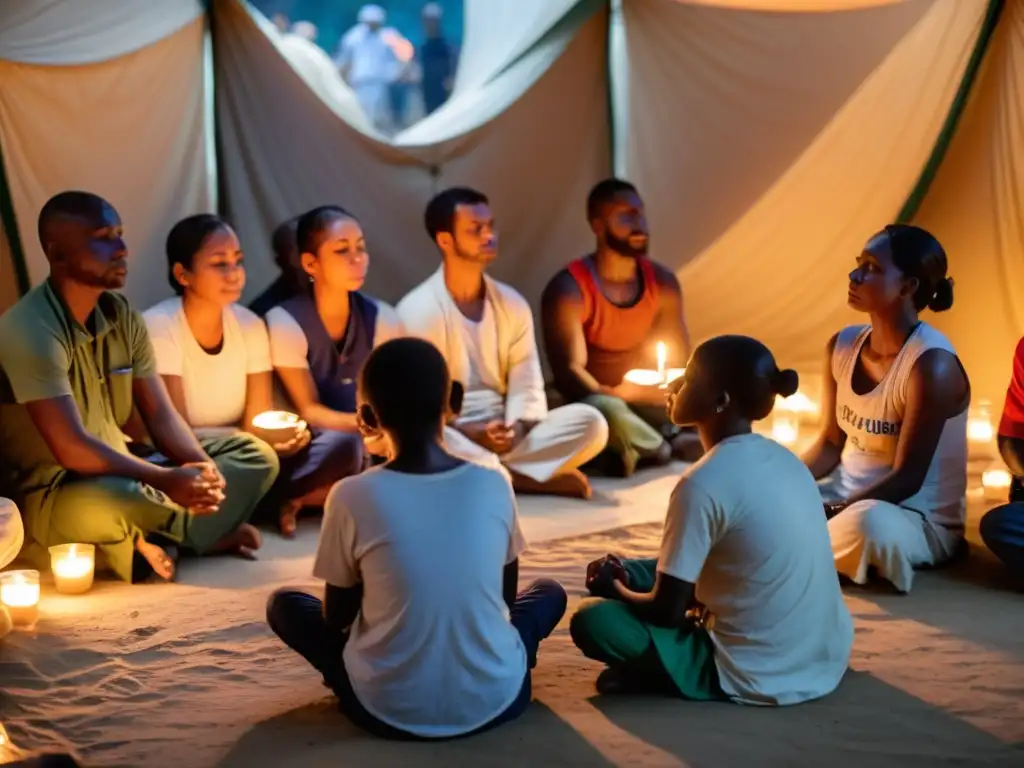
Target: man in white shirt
(368,62)
(484,329)
(421,633)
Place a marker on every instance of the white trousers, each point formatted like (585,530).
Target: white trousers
(12,532)
(889,537)
(567,439)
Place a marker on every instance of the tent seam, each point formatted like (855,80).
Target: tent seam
(924,182)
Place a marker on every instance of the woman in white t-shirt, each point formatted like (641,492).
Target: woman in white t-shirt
(422,633)
(742,602)
(214,357)
(895,418)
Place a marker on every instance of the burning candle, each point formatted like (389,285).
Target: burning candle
(979,424)
(644,377)
(662,361)
(784,430)
(19,592)
(996,482)
(276,427)
(73,567)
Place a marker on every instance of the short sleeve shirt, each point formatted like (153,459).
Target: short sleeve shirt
(44,354)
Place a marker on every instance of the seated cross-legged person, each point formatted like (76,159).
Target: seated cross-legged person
(76,360)
(605,314)
(214,357)
(286,256)
(318,341)
(421,633)
(742,602)
(1002,528)
(484,329)
(894,418)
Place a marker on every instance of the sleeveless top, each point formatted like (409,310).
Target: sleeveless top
(616,336)
(872,425)
(335,366)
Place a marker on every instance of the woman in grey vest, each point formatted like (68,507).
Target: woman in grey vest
(320,338)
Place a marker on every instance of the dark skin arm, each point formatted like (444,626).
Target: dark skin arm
(938,390)
(510,583)
(341,606)
(823,456)
(564,343)
(670,325)
(664,606)
(75,449)
(171,434)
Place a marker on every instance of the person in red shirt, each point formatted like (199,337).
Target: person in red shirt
(1002,528)
(603,315)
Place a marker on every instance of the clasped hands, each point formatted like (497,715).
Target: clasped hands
(496,436)
(197,486)
(603,573)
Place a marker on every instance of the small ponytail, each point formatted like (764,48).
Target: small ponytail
(785,382)
(942,299)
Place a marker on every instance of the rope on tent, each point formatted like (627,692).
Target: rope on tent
(956,110)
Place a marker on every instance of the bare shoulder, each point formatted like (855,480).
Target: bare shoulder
(561,289)
(666,278)
(940,377)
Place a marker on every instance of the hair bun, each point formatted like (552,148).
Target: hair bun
(785,382)
(942,299)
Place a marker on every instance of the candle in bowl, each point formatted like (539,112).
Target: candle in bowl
(276,427)
(73,567)
(645,377)
(19,593)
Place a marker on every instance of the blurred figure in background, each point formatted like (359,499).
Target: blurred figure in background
(281,21)
(437,60)
(370,64)
(306,30)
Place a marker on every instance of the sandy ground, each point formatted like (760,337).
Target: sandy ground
(188,674)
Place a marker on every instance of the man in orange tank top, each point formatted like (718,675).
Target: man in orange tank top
(605,314)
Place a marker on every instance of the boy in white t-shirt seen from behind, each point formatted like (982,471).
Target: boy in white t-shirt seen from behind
(421,633)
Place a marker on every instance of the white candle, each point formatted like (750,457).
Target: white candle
(996,483)
(19,592)
(979,424)
(662,360)
(73,567)
(644,377)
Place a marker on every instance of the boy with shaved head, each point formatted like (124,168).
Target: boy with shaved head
(75,360)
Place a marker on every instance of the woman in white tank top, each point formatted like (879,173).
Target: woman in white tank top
(895,405)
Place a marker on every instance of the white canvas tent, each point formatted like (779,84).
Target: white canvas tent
(770,138)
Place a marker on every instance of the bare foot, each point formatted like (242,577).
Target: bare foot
(288,520)
(158,560)
(572,484)
(243,541)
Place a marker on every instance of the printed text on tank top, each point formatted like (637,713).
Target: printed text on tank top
(870,412)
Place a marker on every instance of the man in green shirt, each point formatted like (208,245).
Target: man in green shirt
(75,360)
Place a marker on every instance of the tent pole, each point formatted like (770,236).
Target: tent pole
(956,110)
